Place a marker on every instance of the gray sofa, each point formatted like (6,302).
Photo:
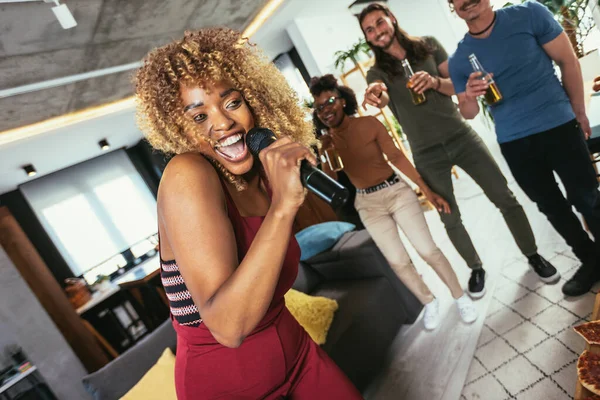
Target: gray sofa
(373,304)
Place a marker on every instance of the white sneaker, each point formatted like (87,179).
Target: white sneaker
(467,310)
(431,315)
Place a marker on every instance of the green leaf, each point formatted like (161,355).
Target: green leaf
(351,54)
(489,118)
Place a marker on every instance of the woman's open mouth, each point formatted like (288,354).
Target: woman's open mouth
(232,147)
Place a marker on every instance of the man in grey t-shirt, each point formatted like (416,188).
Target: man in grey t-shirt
(438,135)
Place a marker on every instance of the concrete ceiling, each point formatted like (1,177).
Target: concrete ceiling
(34,47)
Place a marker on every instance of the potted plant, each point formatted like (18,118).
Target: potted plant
(352,54)
(572,15)
(102,283)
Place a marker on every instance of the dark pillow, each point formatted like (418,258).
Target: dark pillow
(308,279)
(117,377)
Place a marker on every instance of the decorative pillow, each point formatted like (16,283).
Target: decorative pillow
(158,382)
(313,313)
(320,237)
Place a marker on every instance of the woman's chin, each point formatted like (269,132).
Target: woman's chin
(238,167)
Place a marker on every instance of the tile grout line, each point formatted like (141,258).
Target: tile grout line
(549,336)
(491,373)
(524,354)
(519,354)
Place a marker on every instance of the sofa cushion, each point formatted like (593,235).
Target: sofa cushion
(317,238)
(307,278)
(356,256)
(313,313)
(348,242)
(158,382)
(116,378)
(364,326)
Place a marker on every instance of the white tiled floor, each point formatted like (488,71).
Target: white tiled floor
(495,354)
(527,346)
(531,305)
(546,389)
(524,337)
(489,385)
(503,321)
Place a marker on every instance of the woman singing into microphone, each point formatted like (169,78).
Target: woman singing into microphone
(225,220)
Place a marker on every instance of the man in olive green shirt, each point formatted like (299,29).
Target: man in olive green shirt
(438,135)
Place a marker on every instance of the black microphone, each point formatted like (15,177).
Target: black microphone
(312,178)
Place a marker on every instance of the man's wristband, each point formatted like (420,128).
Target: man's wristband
(439,83)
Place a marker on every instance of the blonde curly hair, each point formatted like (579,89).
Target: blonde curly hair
(210,56)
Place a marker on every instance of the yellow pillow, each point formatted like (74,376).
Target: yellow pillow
(314,313)
(158,382)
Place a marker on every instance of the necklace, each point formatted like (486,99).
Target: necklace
(486,29)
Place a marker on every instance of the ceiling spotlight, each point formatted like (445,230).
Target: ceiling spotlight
(64,16)
(61,11)
(29,170)
(104,144)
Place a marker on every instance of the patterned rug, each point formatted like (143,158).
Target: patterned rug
(527,349)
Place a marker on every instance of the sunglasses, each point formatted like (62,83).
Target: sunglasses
(329,102)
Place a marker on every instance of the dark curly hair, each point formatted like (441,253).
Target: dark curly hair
(321,84)
(417,49)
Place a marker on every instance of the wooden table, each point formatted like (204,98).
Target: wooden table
(582,393)
(141,275)
(97,298)
(122,289)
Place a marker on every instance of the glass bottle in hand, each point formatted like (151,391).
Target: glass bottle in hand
(417,98)
(492,94)
(331,155)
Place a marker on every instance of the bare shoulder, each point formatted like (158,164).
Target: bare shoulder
(187,163)
(365,129)
(188,177)
(369,122)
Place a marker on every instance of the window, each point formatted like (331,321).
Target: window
(95,211)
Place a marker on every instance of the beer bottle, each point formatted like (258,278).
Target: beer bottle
(333,159)
(330,155)
(492,94)
(417,98)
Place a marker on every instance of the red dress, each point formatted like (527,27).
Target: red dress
(277,360)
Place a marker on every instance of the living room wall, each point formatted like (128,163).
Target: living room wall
(24,321)
(7,337)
